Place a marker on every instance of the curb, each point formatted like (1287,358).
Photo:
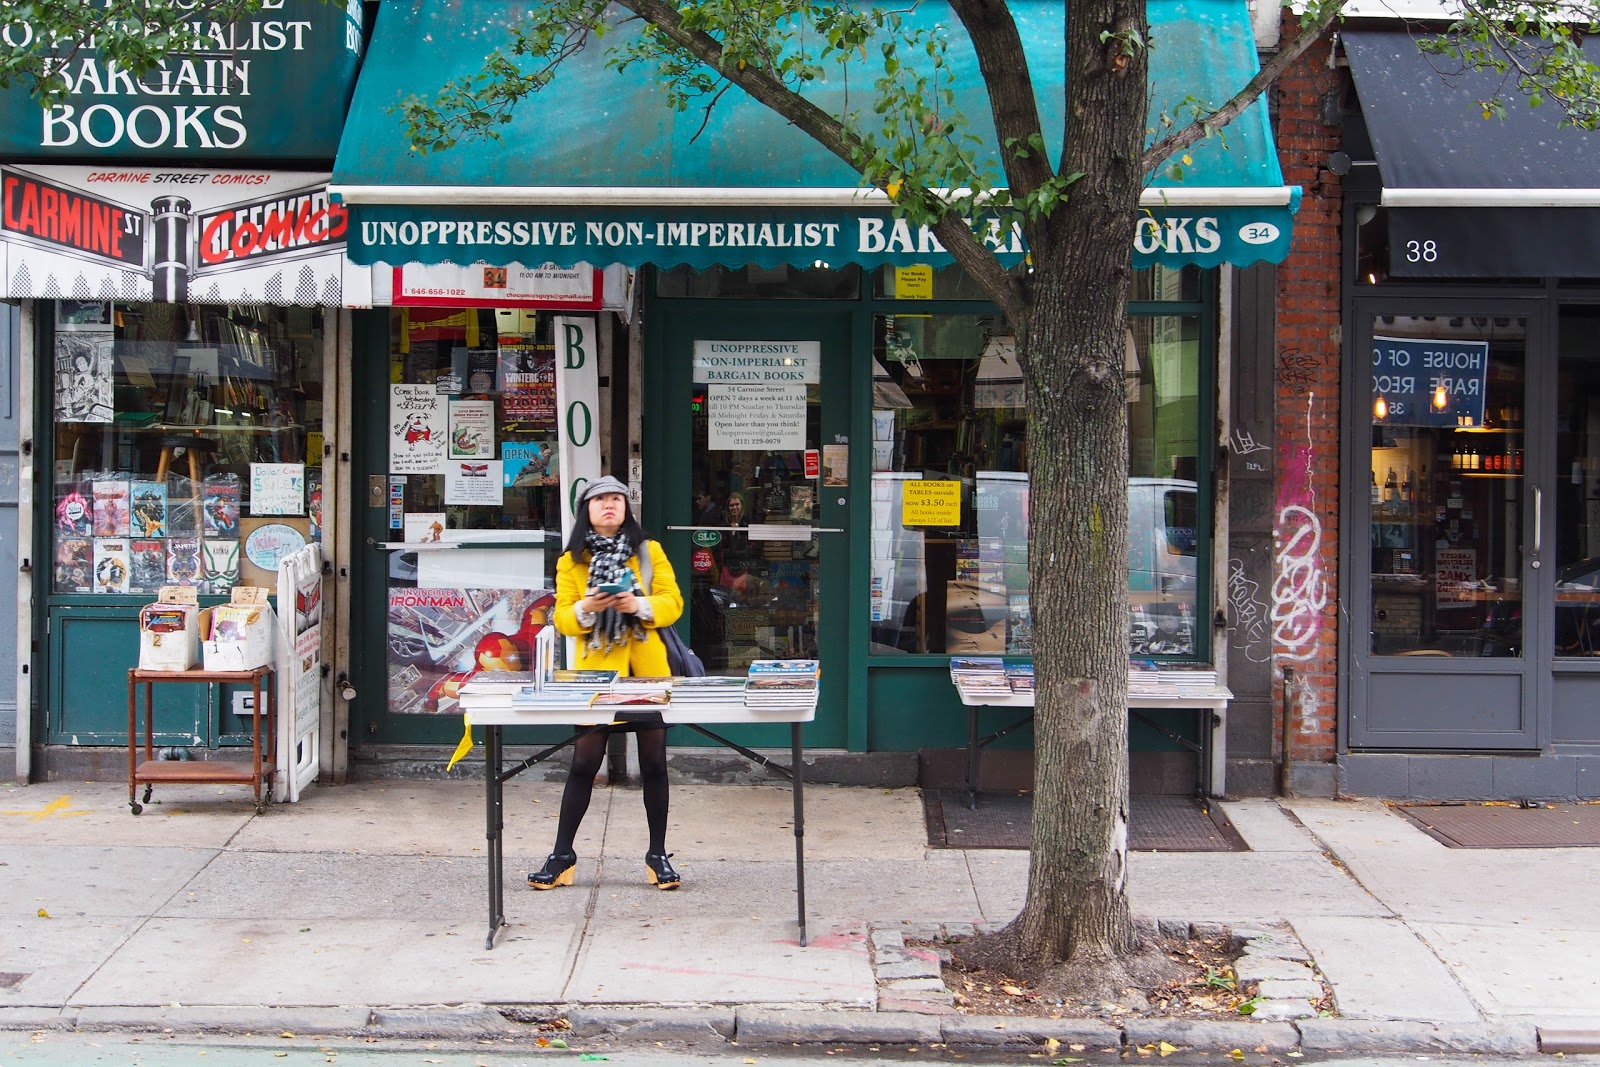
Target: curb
(1355,1035)
(767,1026)
(686,1024)
(467,1023)
(251,1019)
(1570,1041)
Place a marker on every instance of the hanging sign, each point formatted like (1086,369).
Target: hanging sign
(171,235)
(1428,382)
(578,407)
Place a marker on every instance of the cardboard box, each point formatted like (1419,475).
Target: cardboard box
(170,628)
(242,632)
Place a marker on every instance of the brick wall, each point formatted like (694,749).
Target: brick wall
(1305,564)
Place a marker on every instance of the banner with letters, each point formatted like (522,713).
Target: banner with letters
(135,233)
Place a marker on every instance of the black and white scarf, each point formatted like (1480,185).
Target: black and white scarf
(608,561)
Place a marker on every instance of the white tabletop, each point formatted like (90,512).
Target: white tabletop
(681,710)
(1174,698)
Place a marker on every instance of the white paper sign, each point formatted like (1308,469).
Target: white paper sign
(424,527)
(416,430)
(277,489)
(752,362)
(472,429)
(473,481)
(513,285)
(756,417)
(85,366)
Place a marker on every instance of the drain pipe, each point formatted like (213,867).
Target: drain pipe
(1285,762)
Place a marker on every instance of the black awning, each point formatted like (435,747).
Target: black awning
(1469,196)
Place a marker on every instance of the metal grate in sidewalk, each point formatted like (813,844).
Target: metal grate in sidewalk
(1508,825)
(1004,820)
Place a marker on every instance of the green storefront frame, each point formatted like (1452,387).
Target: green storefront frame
(902,703)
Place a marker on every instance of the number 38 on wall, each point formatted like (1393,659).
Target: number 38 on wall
(1421,251)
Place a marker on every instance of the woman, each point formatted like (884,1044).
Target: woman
(616,631)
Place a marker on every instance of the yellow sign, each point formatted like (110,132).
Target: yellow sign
(914,282)
(930,503)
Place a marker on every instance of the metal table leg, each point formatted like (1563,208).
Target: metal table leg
(797,787)
(972,757)
(494,822)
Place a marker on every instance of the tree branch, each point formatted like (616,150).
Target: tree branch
(1011,93)
(1201,128)
(761,86)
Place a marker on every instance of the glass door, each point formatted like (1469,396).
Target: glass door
(1452,512)
(458,514)
(755,495)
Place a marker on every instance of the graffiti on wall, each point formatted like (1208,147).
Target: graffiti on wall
(1250,620)
(1299,586)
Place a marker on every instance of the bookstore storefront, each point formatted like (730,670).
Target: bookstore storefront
(832,441)
(181,292)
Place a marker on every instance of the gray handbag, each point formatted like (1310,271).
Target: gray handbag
(682,660)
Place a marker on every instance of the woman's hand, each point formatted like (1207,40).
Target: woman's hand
(594,602)
(625,603)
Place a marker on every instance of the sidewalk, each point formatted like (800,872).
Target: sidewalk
(362,910)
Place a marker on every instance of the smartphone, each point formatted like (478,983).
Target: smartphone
(621,585)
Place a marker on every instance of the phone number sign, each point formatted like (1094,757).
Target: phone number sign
(1429,382)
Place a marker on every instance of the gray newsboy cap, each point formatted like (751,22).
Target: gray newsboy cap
(602,485)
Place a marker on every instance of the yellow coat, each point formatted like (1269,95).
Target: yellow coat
(647,658)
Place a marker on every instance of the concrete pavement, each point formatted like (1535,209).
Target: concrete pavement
(362,910)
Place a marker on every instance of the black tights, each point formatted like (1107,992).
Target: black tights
(588,753)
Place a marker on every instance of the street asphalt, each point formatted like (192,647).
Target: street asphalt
(362,910)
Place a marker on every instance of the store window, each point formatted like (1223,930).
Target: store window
(473,504)
(950,486)
(188,444)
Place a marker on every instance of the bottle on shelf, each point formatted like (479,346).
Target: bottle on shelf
(1391,488)
(1408,488)
(1377,495)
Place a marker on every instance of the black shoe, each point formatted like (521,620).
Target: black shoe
(558,869)
(662,874)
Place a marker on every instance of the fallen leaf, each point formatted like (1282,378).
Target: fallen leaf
(1015,991)
(287,1033)
(1237,1054)
(43,914)
(1051,1044)
(1166,1049)
(559,1042)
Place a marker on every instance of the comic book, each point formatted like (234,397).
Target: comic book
(111,564)
(219,506)
(219,565)
(147,566)
(149,509)
(74,509)
(183,561)
(74,565)
(110,508)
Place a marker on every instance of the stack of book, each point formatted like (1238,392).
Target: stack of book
(501,690)
(781,683)
(569,681)
(1019,677)
(1171,681)
(710,689)
(980,676)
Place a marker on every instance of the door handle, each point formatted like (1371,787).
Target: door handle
(1538,522)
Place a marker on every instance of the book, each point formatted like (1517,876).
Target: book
(624,699)
(111,508)
(782,666)
(147,564)
(74,565)
(110,565)
(497,682)
(219,505)
(149,509)
(183,561)
(801,501)
(75,510)
(575,679)
(219,565)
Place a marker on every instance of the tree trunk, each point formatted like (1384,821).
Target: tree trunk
(1071,347)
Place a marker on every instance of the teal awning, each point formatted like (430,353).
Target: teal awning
(599,168)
